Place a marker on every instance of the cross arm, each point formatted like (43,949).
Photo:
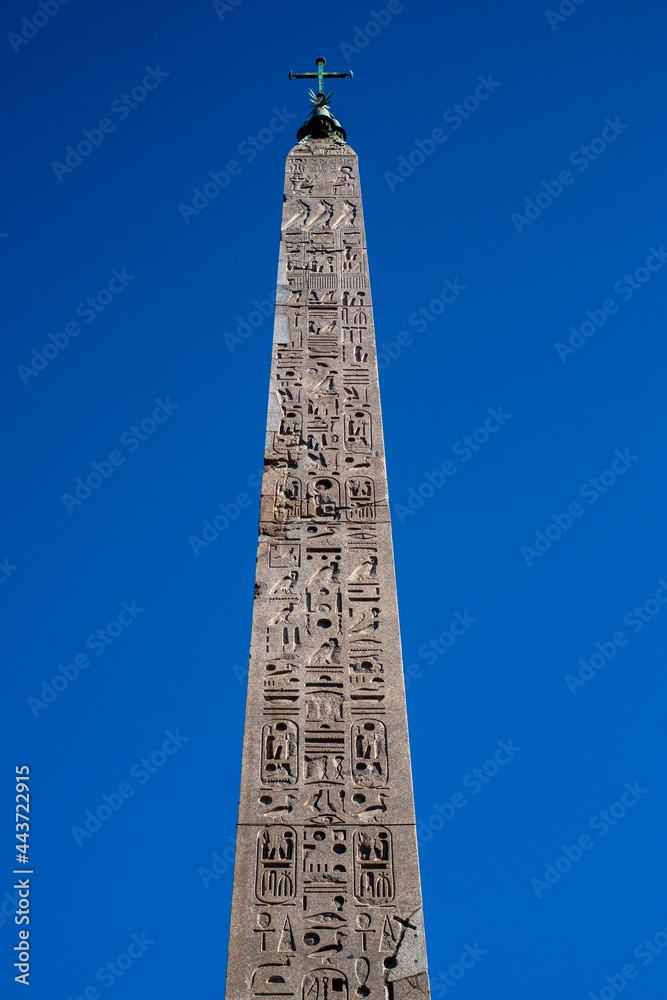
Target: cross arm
(308,76)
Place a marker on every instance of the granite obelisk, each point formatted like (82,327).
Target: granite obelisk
(326,900)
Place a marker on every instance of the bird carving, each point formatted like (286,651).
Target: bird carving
(371,813)
(326,951)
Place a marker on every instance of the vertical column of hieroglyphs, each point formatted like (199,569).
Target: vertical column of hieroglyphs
(327,902)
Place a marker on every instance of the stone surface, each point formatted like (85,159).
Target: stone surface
(326,900)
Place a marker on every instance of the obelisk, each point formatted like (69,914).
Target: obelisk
(326,899)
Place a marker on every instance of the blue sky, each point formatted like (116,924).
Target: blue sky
(512,162)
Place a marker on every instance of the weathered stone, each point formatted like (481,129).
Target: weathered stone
(326,900)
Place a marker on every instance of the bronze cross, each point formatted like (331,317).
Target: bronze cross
(320,75)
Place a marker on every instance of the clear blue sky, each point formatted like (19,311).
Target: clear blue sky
(541,201)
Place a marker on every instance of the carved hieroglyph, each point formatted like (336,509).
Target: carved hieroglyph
(326,900)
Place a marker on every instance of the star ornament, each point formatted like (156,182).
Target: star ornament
(321,100)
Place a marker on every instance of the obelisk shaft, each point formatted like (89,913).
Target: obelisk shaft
(326,899)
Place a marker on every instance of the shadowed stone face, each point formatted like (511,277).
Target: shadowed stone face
(326,900)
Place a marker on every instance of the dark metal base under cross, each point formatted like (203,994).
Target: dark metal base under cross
(320,122)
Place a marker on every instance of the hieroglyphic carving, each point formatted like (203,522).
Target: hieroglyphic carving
(389,937)
(276,864)
(373,866)
(325,984)
(278,806)
(369,808)
(284,554)
(296,213)
(367,684)
(365,624)
(409,988)
(344,184)
(263,929)
(364,535)
(362,968)
(323,706)
(280,700)
(286,939)
(329,573)
(360,499)
(286,587)
(364,930)
(355,386)
(327,805)
(320,213)
(269,979)
(279,753)
(283,634)
(320,498)
(352,260)
(324,498)
(324,755)
(369,754)
(289,498)
(328,654)
(326,864)
(366,571)
(358,434)
(363,584)
(289,434)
